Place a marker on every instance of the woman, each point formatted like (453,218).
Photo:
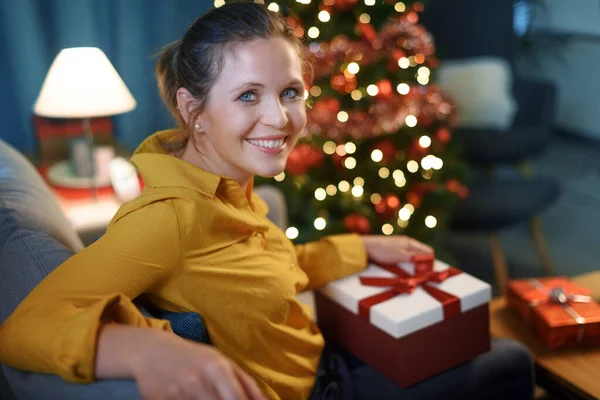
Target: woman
(198,240)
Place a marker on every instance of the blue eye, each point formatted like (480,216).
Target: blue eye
(247,97)
(290,93)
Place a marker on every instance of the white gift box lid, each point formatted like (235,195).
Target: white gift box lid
(407,313)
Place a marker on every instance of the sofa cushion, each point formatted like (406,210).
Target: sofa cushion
(26,257)
(36,208)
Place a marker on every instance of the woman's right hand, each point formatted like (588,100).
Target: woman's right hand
(180,369)
(167,367)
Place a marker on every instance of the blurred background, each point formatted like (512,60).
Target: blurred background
(508,102)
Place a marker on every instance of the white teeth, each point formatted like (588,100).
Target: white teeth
(270,144)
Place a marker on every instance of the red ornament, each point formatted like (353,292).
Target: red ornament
(296,164)
(344,4)
(357,223)
(413,199)
(385,88)
(443,135)
(388,207)
(367,31)
(388,148)
(458,188)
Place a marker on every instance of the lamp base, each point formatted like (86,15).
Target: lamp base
(62,174)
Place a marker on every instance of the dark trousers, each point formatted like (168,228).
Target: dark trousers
(503,373)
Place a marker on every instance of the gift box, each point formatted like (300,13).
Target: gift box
(411,321)
(561,313)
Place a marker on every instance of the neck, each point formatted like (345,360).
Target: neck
(195,157)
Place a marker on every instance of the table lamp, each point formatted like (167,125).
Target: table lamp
(82,83)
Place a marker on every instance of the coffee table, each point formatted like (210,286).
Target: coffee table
(567,373)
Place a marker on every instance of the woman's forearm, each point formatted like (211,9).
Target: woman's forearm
(121,347)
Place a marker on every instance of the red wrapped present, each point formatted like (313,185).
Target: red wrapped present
(561,313)
(409,322)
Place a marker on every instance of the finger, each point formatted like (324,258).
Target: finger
(416,246)
(249,385)
(228,385)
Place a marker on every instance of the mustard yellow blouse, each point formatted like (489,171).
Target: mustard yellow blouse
(193,242)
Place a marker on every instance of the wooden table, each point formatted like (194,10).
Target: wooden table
(567,374)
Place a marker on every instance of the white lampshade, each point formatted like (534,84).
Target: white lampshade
(82,83)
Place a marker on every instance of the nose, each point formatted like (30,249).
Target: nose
(275,114)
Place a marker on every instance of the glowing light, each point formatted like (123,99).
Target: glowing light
(356,95)
(384,172)
(424,71)
(403,88)
(422,79)
(344,186)
(410,207)
(305,94)
(315,91)
(364,18)
(430,221)
(400,182)
(342,116)
(280,177)
(331,190)
(273,7)
(350,163)
(376,155)
(424,141)
(291,232)
(350,147)
(329,147)
(372,90)
(357,191)
(369,2)
(313,32)
(426,163)
(403,63)
(324,16)
(353,68)
(375,198)
(404,214)
(358,181)
(410,121)
(340,150)
(437,163)
(412,166)
(320,223)
(387,229)
(397,175)
(400,7)
(320,194)
(219,3)
(402,224)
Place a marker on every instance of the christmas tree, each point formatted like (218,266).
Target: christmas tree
(379,157)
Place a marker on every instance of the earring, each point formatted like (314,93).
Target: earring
(197,127)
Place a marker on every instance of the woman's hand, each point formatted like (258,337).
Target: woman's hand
(180,369)
(393,249)
(167,367)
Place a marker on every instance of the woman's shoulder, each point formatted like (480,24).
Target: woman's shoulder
(161,203)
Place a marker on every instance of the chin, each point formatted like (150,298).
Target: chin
(269,172)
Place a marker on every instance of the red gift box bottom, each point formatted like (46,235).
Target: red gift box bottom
(420,355)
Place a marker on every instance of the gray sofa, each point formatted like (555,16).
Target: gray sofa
(35,237)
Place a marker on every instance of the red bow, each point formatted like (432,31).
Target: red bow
(403,282)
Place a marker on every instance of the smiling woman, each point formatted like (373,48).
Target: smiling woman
(198,240)
(267,102)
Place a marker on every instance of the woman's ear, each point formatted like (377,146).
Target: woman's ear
(186,105)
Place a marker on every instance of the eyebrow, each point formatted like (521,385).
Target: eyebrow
(256,84)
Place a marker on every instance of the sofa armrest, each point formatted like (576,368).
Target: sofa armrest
(31,386)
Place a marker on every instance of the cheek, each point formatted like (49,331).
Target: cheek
(298,116)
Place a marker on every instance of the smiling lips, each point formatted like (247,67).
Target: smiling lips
(271,146)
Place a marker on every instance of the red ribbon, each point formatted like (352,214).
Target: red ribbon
(403,282)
